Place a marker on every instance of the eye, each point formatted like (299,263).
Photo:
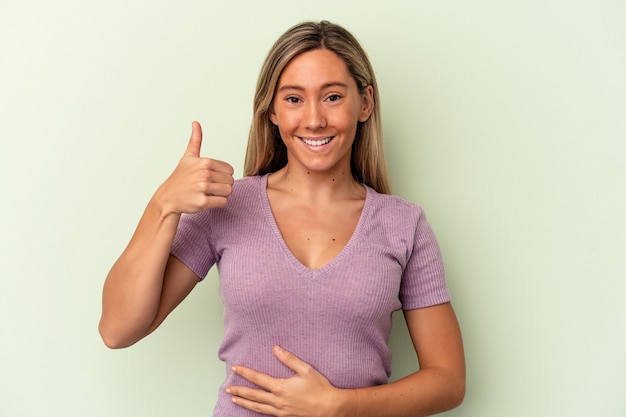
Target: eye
(292,99)
(333,97)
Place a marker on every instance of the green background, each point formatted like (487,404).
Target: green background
(505,120)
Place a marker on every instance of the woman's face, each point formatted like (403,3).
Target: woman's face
(317,106)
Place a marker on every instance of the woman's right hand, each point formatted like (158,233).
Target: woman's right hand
(147,283)
(197,183)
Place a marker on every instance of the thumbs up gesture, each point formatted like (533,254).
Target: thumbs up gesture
(197,183)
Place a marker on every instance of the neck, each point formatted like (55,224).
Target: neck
(316,186)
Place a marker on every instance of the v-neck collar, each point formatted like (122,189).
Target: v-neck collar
(296,264)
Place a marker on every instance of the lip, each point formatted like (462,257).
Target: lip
(316,141)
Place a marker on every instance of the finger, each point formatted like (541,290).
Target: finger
(251,394)
(214,201)
(291,361)
(214,170)
(216,177)
(221,166)
(260,408)
(257,378)
(216,190)
(195,141)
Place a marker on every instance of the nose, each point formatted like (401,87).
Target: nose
(315,118)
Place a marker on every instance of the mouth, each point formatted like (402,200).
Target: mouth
(317,142)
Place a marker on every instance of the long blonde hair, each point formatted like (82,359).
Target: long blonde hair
(266,151)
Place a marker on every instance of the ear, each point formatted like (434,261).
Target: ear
(272,115)
(367,103)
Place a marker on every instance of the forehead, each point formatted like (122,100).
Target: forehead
(314,68)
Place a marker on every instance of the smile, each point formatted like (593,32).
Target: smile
(316,142)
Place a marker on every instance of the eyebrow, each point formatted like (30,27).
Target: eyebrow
(324,86)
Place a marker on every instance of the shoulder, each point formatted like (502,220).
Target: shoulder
(394,207)
(248,183)
(246,189)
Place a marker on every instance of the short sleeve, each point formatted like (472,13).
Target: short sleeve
(192,245)
(423,280)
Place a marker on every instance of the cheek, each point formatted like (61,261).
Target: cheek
(347,120)
(286,130)
(285,120)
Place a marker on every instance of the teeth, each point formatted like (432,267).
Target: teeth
(316,142)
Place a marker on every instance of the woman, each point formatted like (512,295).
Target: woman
(313,253)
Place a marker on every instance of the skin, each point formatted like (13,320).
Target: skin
(146,283)
(320,101)
(315,201)
(317,98)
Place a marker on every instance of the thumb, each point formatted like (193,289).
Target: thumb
(290,360)
(195,141)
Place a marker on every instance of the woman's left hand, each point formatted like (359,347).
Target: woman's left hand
(306,394)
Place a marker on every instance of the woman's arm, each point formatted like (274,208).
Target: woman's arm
(439,385)
(146,283)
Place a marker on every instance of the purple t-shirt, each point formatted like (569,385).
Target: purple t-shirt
(337,318)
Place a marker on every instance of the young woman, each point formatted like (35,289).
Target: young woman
(314,255)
